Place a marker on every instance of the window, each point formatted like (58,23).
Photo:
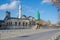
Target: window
(15,23)
(26,23)
(7,24)
(0,24)
(30,24)
(19,23)
(11,23)
(23,23)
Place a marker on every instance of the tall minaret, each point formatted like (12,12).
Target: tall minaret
(20,10)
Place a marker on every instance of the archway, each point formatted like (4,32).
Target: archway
(0,24)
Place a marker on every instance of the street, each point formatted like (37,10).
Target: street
(37,36)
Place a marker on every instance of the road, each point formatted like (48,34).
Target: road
(37,36)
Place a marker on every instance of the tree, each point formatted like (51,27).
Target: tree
(49,22)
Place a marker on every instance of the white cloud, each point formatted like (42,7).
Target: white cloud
(12,5)
(46,1)
(28,9)
(42,11)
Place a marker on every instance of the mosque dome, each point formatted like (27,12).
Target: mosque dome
(37,15)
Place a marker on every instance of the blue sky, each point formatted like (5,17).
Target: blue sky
(29,8)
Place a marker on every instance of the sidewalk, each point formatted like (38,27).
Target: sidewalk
(55,36)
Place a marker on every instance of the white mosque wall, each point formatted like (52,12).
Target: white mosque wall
(14,23)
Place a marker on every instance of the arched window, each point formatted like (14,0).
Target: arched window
(7,24)
(19,23)
(30,24)
(11,23)
(0,24)
(15,23)
(23,23)
(26,23)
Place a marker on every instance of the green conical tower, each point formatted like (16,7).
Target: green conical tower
(37,15)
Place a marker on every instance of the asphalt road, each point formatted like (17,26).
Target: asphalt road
(38,36)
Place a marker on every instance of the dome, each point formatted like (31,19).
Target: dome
(24,16)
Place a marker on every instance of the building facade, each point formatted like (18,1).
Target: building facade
(24,22)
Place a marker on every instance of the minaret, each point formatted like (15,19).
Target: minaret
(20,10)
(37,15)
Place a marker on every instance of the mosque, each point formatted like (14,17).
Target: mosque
(20,22)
